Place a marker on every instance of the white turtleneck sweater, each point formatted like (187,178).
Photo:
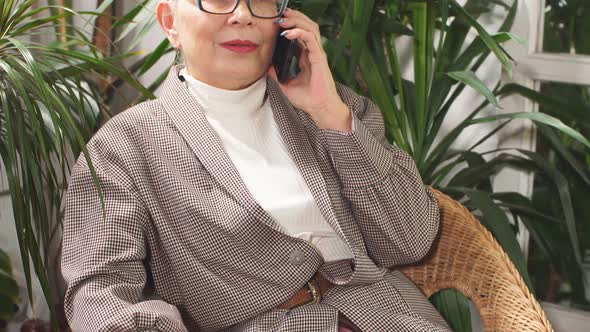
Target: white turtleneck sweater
(245,124)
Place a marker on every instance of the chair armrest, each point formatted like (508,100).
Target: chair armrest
(466,257)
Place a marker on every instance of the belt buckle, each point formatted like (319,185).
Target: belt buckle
(314,289)
(316,296)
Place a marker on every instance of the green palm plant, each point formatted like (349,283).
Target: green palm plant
(556,257)
(50,105)
(554,261)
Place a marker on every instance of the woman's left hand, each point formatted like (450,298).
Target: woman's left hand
(313,90)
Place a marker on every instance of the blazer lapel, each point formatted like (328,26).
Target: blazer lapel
(295,137)
(190,120)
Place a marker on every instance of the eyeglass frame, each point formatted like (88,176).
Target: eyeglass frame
(281,11)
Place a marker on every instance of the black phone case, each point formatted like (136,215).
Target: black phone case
(284,54)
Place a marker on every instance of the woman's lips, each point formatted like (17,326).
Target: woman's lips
(240,46)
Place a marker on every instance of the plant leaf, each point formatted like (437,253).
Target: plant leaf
(9,287)
(485,36)
(564,152)
(454,307)
(5,265)
(150,61)
(557,106)
(314,9)
(468,77)
(562,187)
(496,221)
(537,117)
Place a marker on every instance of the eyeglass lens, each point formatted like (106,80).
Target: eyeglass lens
(261,8)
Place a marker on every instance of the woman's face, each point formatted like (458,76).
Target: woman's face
(208,42)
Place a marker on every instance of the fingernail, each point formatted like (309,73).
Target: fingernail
(284,33)
(279,21)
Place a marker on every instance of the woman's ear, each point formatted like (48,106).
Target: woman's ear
(165,16)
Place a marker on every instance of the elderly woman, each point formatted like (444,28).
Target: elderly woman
(233,202)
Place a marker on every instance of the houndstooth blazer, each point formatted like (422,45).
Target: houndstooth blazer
(183,245)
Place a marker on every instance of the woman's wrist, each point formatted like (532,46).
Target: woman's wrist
(336,116)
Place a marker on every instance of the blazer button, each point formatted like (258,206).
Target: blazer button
(296,257)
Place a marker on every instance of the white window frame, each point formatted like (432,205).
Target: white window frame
(539,66)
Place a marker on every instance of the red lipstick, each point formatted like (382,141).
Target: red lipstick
(240,46)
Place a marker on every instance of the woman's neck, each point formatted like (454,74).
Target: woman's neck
(227,105)
(225,83)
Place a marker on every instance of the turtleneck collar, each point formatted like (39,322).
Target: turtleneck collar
(221,103)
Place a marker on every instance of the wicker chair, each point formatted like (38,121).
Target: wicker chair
(467,258)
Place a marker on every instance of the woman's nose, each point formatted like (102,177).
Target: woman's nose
(242,14)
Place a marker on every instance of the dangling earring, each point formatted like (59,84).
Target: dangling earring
(178,59)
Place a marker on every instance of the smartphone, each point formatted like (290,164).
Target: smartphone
(284,58)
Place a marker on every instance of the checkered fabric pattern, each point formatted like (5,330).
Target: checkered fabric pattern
(182,244)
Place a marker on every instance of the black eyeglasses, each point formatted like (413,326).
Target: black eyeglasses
(258,8)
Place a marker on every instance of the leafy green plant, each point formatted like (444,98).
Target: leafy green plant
(555,261)
(49,107)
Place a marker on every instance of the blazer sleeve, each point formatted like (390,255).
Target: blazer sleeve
(102,258)
(397,214)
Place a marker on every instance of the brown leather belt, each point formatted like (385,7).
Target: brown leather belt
(313,292)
